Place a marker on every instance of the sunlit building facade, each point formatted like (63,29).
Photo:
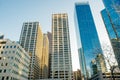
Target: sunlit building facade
(77,75)
(87,37)
(61,67)
(31,39)
(14,61)
(45,58)
(111,18)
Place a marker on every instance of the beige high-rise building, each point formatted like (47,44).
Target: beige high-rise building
(61,67)
(45,58)
(100,61)
(77,75)
(31,39)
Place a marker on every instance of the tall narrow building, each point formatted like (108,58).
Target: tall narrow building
(61,67)
(45,58)
(111,18)
(87,37)
(31,39)
(49,34)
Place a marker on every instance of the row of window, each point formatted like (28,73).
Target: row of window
(22,63)
(5,52)
(4,71)
(8,47)
(2,64)
(4,78)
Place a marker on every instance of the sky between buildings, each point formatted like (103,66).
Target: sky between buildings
(14,12)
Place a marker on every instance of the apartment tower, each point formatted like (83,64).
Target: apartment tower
(61,67)
(31,39)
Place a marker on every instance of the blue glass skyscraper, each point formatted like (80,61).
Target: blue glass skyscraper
(87,36)
(111,18)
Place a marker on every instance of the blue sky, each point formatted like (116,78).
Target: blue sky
(14,12)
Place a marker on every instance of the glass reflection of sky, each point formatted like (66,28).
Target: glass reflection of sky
(88,33)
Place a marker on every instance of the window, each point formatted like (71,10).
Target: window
(7,46)
(1,52)
(7,78)
(13,51)
(10,46)
(14,46)
(6,64)
(5,52)
(3,46)
(5,71)
(2,64)
(11,57)
(3,78)
(0,71)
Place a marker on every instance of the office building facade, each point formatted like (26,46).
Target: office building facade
(111,18)
(49,34)
(31,39)
(45,58)
(61,67)
(14,61)
(86,36)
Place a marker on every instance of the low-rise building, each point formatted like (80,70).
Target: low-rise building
(77,75)
(105,76)
(14,61)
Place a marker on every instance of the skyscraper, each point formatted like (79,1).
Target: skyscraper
(31,39)
(111,18)
(86,36)
(61,67)
(49,34)
(45,58)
